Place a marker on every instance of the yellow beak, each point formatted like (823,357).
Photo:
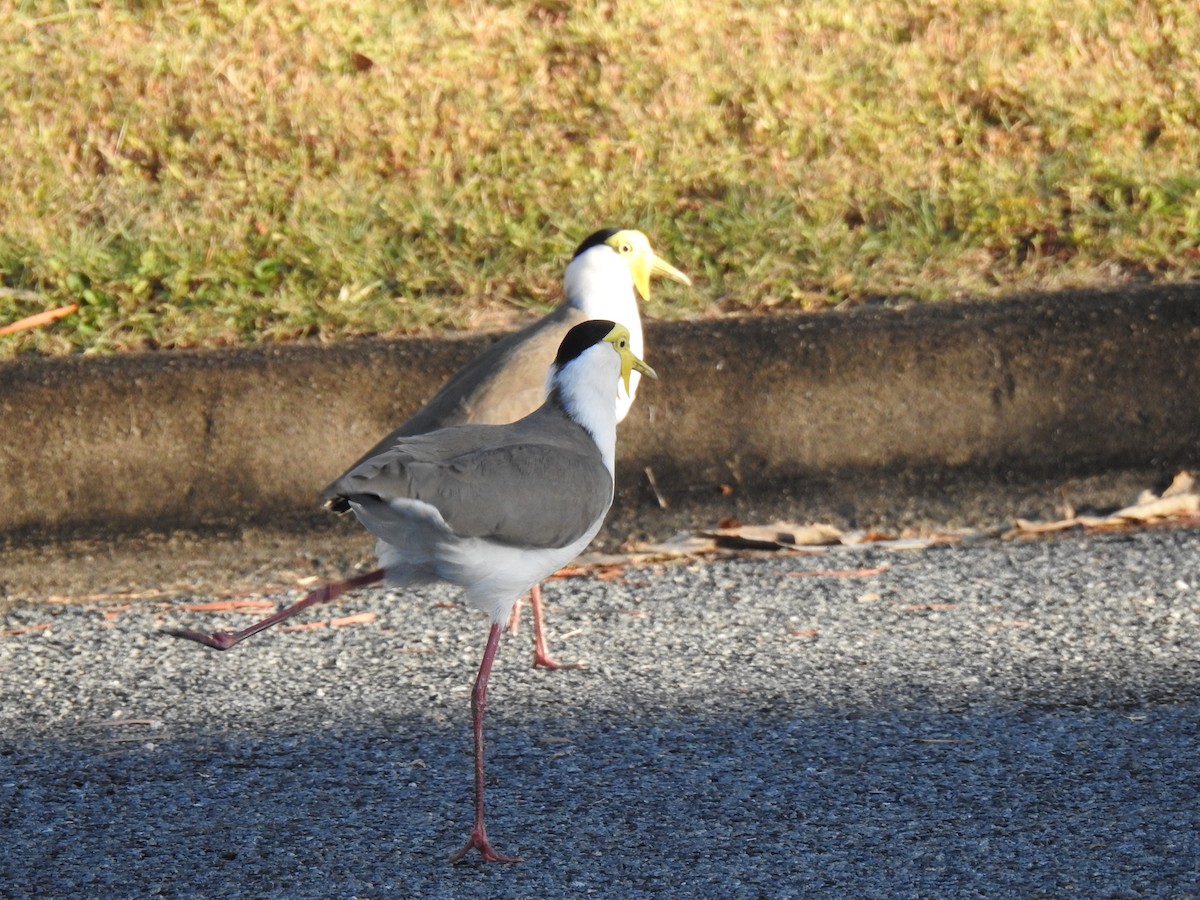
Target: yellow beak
(629,362)
(649,264)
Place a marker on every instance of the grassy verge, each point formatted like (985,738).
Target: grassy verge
(224,172)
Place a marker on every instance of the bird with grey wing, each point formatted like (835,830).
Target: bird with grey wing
(493,509)
(508,380)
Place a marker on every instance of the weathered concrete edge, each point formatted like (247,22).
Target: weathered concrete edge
(1053,386)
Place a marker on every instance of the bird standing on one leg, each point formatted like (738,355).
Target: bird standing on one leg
(491,508)
(508,380)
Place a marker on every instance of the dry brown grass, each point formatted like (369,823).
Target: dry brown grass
(216,173)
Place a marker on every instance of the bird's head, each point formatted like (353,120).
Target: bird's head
(623,250)
(596,332)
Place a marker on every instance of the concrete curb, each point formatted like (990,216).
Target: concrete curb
(1056,386)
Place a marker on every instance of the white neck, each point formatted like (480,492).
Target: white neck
(598,284)
(586,388)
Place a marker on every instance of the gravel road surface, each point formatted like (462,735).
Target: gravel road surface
(994,719)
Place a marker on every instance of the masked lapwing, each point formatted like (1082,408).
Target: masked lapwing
(493,509)
(508,380)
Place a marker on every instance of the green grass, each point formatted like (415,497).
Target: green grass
(229,172)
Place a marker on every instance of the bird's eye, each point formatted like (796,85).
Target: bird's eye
(626,248)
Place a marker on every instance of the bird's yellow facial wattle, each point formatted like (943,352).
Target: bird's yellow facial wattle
(634,248)
(619,338)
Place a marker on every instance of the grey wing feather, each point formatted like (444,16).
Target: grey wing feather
(497,482)
(504,383)
(498,386)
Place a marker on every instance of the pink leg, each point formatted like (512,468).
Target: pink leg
(514,619)
(479,839)
(223,640)
(541,653)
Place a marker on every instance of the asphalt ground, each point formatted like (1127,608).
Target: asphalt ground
(990,719)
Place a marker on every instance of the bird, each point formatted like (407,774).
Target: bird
(507,381)
(492,509)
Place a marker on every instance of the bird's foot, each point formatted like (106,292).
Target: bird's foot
(221,640)
(543,660)
(479,841)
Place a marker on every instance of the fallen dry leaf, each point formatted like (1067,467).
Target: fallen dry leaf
(1178,502)
(363,618)
(583,570)
(1183,483)
(114,595)
(776,536)
(1026,526)
(1067,510)
(8,632)
(42,318)
(874,534)
(228,605)
(683,545)
(658,495)
(1161,508)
